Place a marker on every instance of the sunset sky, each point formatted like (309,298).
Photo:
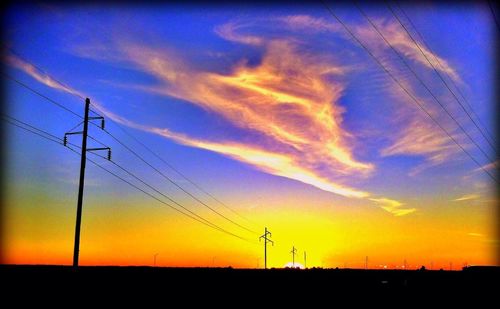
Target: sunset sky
(275,111)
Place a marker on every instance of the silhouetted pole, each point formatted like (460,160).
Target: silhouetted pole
(265,255)
(81,185)
(305,259)
(266,240)
(293,252)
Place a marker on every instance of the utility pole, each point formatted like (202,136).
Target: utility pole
(293,252)
(305,259)
(81,185)
(82,173)
(266,240)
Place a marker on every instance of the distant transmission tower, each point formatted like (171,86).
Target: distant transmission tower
(293,252)
(266,240)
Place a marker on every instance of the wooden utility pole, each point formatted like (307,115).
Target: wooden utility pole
(83,161)
(81,184)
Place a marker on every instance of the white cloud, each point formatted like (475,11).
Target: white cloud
(467,197)
(392,206)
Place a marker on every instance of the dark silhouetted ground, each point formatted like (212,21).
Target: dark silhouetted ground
(252,284)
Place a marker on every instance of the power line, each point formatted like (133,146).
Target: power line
(442,68)
(147,148)
(180,173)
(190,213)
(10,118)
(404,89)
(173,201)
(96,140)
(422,82)
(41,95)
(441,77)
(63,107)
(494,15)
(69,90)
(32,131)
(175,184)
(55,139)
(181,188)
(194,216)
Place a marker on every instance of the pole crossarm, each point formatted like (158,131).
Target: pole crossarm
(97,118)
(95,149)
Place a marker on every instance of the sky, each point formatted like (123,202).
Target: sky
(372,143)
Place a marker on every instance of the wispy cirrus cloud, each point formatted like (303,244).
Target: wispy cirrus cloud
(401,41)
(269,162)
(277,163)
(47,80)
(422,138)
(488,167)
(40,76)
(393,206)
(291,98)
(392,31)
(415,114)
(467,197)
(287,98)
(231,32)
(307,22)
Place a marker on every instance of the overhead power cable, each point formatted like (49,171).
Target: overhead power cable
(175,183)
(53,138)
(330,11)
(444,81)
(128,148)
(443,70)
